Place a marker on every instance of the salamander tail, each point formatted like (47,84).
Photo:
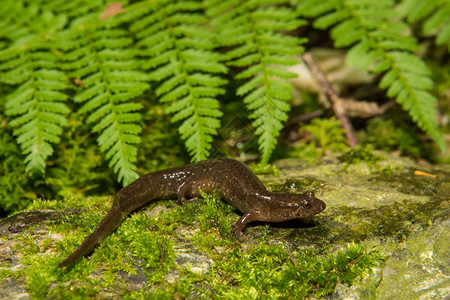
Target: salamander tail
(106,226)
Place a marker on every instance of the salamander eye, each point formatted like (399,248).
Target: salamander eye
(306,204)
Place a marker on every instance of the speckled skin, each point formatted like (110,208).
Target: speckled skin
(232,180)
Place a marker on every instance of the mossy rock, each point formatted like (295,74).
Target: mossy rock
(384,235)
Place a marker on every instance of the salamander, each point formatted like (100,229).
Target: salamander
(230,179)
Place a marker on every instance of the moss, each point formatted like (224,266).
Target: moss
(306,151)
(359,154)
(298,185)
(396,220)
(5,271)
(395,134)
(321,136)
(208,212)
(271,270)
(261,169)
(409,183)
(186,287)
(418,268)
(327,134)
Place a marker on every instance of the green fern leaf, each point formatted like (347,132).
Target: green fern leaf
(16,18)
(38,110)
(109,70)
(73,8)
(378,43)
(436,16)
(252,28)
(36,107)
(178,55)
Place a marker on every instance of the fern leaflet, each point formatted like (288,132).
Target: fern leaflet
(178,55)
(74,8)
(378,43)
(436,14)
(253,28)
(37,105)
(100,57)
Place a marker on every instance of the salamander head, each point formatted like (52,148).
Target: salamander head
(310,205)
(289,206)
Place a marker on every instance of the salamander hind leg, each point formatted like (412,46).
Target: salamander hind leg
(183,189)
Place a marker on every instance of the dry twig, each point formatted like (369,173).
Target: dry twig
(331,95)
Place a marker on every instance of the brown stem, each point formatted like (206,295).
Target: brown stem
(335,101)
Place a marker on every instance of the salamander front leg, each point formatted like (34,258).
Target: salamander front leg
(240,224)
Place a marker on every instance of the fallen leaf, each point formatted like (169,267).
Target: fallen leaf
(417,172)
(112,9)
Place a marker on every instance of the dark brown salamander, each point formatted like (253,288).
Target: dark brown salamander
(232,180)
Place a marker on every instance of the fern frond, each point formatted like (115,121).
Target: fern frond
(378,43)
(436,16)
(73,8)
(36,107)
(39,115)
(177,52)
(254,28)
(19,20)
(101,58)
(14,18)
